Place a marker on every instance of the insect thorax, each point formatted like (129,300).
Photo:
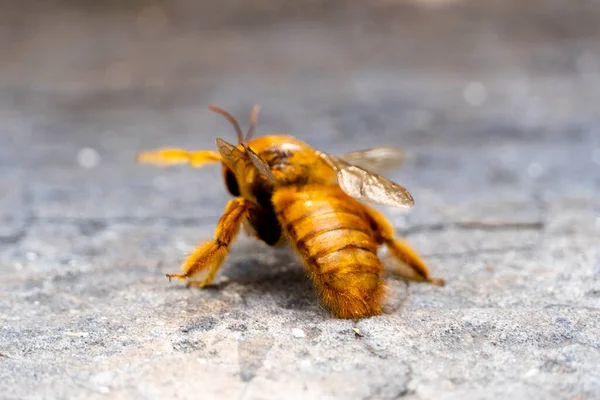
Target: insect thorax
(292,162)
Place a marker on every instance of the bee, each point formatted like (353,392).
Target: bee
(287,192)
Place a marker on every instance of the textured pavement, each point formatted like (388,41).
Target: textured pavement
(495,103)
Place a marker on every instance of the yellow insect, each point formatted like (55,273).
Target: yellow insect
(286,191)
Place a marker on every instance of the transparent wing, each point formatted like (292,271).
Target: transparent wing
(366,185)
(236,159)
(381,160)
(261,165)
(231,155)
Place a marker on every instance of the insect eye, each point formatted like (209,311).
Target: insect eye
(231,182)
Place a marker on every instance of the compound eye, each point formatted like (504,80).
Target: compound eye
(231,182)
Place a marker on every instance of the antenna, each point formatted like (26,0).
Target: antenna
(253,122)
(230,118)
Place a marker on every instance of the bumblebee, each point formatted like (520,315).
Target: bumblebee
(286,191)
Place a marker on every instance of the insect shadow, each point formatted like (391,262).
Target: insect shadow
(273,272)
(279,274)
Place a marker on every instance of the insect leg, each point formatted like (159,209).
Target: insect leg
(408,264)
(209,255)
(165,157)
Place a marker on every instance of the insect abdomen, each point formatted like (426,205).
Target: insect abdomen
(330,232)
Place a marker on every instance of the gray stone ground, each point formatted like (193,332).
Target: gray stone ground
(495,102)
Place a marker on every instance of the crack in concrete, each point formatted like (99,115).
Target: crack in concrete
(476,252)
(244,390)
(474,225)
(363,338)
(409,378)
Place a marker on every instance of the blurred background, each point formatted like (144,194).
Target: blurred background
(437,63)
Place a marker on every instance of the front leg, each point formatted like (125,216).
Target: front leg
(210,254)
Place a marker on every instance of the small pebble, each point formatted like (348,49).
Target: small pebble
(103,389)
(77,334)
(298,333)
(531,372)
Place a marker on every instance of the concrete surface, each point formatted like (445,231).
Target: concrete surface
(495,102)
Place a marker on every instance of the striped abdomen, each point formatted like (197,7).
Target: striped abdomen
(332,234)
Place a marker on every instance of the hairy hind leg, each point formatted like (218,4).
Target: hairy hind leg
(165,157)
(211,254)
(410,265)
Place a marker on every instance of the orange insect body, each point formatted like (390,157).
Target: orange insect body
(287,191)
(333,235)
